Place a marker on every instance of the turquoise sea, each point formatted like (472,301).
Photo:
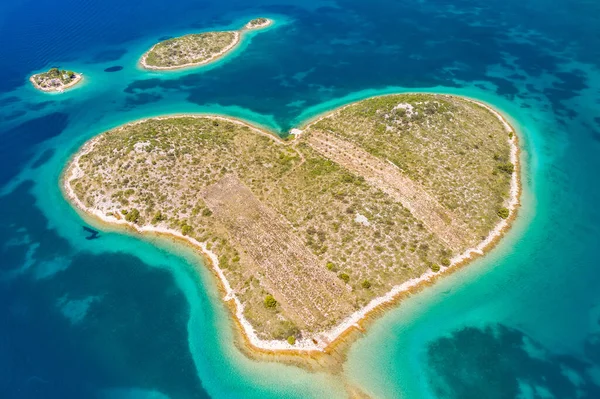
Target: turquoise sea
(119,316)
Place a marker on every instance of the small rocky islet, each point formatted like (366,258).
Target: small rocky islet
(55,80)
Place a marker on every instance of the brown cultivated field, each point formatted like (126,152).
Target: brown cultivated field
(389,179)
(309,295)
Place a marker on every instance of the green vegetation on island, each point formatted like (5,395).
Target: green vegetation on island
(270,302)
(308,231)
(454,150)
(196,49)
(258,23)
(55,80)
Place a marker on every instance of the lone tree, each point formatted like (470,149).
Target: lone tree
(344,277)
(270,302)
(186,229)
(133,216)
(503,213)
(158,217)
(507,168)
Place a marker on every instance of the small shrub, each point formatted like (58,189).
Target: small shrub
(507,167)
(223,262)
(206,212)
(291,340)
(158,217)
(331,266)
(366,284)
(133,216)
(434,267)
(344,277)
(445,262)
(269,301)
(186,229)
(510,135)
(503,213)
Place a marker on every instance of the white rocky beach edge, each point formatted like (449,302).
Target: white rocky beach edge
(323,339)
(236,40)
(78,79)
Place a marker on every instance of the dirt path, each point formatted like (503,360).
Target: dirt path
(390,179)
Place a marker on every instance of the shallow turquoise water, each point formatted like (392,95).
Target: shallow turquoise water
(123,317)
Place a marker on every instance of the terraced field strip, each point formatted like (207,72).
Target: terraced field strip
(307,291)
(390,179)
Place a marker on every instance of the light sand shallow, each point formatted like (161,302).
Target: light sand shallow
(309,352)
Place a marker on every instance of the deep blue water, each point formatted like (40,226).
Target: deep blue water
(120,317)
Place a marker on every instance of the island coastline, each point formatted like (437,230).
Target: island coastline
(78,79)
(238,35)
(306,352)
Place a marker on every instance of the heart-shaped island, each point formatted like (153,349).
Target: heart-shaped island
(310,234)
